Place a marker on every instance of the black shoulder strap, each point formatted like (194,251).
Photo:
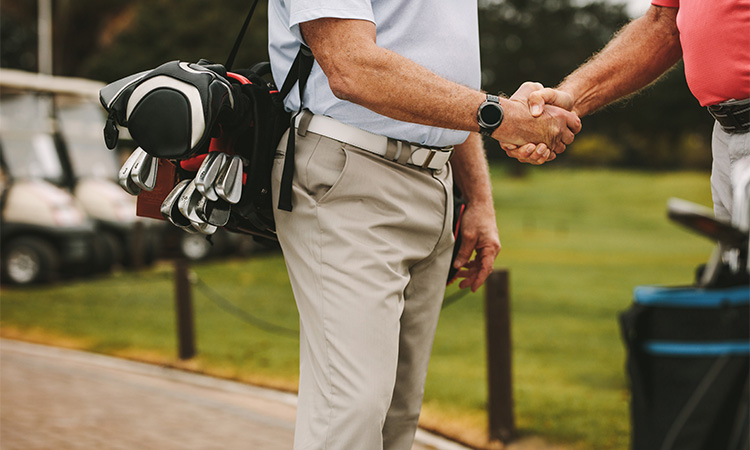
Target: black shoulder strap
(238,41)
(300,71)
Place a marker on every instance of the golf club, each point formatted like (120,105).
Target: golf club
(229,182)
(144,171)
(207,173)
(123,176)
(171,211)
(188,200)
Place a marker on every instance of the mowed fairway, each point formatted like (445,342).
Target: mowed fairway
(576,243)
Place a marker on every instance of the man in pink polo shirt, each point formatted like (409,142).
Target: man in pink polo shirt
(713,39)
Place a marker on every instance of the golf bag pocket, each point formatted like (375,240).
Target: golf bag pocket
(170,111)
(688,359)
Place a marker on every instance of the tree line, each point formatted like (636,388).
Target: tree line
(539,40)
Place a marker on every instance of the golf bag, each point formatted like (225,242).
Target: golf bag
(688,363)
(688,348)
(207,135)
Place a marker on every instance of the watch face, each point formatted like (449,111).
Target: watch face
(491,114)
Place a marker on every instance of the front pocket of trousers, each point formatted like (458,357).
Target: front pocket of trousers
(326,172)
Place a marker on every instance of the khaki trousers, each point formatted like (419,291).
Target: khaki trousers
(727,149)
(367,247)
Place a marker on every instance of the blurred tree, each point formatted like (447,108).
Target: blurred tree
(77,28)
(18,35)
(158,31)
(109,40)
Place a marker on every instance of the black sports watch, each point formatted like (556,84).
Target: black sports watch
(490,115)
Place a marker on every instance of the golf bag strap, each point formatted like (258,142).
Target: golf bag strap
(240,36)
(299,72)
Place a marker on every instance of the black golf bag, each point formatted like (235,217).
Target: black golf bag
(206,138)
(688,364)
(688,353)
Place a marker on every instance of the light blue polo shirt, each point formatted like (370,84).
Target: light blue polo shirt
(441,35)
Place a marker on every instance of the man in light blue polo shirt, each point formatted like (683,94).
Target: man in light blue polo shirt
(368,242)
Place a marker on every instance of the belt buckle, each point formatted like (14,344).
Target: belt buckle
(428,160)
(432,152)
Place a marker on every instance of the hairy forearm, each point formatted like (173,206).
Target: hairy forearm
(471,171)
(641,52)
(360,71)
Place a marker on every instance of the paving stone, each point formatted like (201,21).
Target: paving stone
(61,399)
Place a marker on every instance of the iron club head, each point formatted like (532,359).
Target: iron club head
(204,228)
(229,182)
(216,213)
(123,176)
(144,172)
(188,200)
(207,173)
(169,208)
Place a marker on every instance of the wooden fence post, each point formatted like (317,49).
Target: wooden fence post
(184,310)
(499,378)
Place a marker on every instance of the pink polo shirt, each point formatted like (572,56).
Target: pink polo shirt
(715,37)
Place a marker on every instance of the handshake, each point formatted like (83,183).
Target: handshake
(539,123)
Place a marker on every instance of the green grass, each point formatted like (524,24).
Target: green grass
(576,244)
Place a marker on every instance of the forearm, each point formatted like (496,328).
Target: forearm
(360,71)
(641,52)
(471,172)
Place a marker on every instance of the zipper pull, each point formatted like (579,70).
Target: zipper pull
(111,132)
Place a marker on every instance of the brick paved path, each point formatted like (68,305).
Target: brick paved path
(59,399)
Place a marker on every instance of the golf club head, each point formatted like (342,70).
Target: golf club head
(171,211)
(123,176)
(187,202)
(229,182)
(701,220)
(216,213)
(207,174)
(204,228)
(144,172)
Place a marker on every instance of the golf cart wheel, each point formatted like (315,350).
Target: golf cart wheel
(29,260)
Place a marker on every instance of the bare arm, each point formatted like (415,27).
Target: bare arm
(641,52)
(360,71)
(479,228)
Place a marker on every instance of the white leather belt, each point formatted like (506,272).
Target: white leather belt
(392,149)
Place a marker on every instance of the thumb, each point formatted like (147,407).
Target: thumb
(549,96)
(537,100)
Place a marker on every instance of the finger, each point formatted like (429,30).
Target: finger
(540,155)
(522,154)
(526,89)
(548,96)
(508,147)
(567,136)
(559,148)
(468,242)
(484,272)
(573,122)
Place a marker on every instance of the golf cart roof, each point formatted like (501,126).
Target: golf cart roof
(19,80)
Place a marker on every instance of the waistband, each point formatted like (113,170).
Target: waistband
(398,151)
(733,115)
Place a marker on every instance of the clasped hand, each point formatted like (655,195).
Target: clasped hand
(538,124)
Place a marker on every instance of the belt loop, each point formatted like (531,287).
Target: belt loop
(403,158)
(391,149)
(304,122)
